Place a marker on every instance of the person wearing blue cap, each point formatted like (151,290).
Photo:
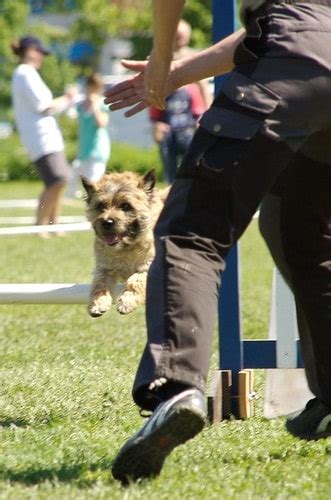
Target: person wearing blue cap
(34,108)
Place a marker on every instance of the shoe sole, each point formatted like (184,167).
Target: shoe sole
(144,457)
(310,437)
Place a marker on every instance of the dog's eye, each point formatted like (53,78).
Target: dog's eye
(126,207)
(100,205)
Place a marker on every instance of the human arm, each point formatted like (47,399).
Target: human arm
(205,93)
(40,98)
(166,16)
(59,104)
(213,61)
(160,128)
(101,116)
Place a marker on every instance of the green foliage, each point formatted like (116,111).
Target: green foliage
(12,21)
(199,14)
(127,157)
(15,164)
(96,21)
(57,70)
(99,19)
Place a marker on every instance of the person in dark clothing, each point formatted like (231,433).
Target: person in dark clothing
(264,141)
(174,127)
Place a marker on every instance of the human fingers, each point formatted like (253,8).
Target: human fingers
(130,101)
(136,109)
(137,66)
(124,94)
(117,89)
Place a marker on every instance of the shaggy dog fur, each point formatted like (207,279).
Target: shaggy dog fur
(123,209)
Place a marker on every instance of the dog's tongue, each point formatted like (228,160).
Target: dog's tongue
(112,239)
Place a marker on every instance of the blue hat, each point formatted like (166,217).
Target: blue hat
(32,41)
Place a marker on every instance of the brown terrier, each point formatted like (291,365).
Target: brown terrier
(123,209)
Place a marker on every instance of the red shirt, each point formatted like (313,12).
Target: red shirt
(194,98)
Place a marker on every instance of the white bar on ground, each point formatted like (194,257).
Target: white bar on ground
(64,219)
(18,203)
(49,228)
(47,293)
(286,325)
(43,293)
(286,387)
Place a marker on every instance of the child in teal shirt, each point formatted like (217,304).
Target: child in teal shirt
(94,145)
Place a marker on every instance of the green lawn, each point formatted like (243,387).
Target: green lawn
(65,382)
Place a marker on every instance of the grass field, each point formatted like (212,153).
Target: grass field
(65,405)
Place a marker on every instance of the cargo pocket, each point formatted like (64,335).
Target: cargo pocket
(239,112)
(240,109)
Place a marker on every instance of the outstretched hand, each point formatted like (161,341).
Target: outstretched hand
(147,88)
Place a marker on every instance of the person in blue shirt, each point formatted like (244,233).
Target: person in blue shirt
(94,144)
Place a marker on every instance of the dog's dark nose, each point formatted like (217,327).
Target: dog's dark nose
(108,223)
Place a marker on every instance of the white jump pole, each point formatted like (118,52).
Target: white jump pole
(47,293)
(64,219)
(48,228)
(18,203)
(44,293)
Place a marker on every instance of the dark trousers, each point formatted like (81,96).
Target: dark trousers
(265,140)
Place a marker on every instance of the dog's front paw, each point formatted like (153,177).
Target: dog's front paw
(127,302)
(99,305)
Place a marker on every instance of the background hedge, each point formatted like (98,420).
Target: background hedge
(15,164)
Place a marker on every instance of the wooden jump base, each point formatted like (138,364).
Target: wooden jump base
(49,228)
(286,387)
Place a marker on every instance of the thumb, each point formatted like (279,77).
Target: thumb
(134,65)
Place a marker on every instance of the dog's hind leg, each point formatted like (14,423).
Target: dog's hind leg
(134,293)
(100,299)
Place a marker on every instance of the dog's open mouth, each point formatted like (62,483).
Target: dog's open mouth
(113,239)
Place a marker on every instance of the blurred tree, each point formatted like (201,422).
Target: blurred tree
(57,71)
(199,14)
(12,21)
(40,6)
(101,18)
(132,19)
(96,21)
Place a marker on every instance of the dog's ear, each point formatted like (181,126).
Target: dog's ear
(89,187)
(148,182)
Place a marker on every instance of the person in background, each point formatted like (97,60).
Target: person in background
(174,127)
(181,49)
(94,144)
(34,108)
(264,142)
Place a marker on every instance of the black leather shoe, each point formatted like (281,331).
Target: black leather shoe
(313,422)
(173,422)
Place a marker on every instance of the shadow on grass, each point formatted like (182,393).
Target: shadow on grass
(66,473)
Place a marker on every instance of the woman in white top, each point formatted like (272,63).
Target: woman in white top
(39,132)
